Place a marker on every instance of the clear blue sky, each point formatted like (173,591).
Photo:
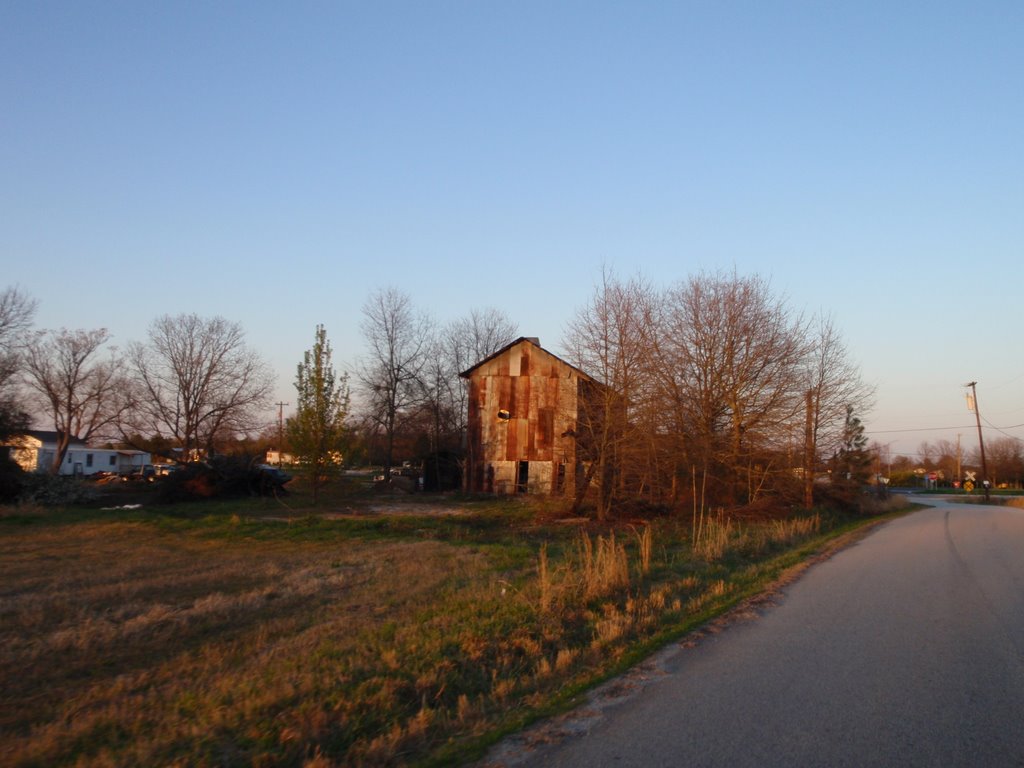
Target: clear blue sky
(275,163)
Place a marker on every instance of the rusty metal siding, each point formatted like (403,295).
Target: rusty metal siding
(540,393)
(545,432)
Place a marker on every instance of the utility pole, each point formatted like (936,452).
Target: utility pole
(959,472)
(981,442)
(280,432)
(809,452)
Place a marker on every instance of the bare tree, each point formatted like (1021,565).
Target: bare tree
(609,340)
(926,454)
(1005,457)
(464,343)
(479,335)
(80,393)
(730,357)
(441,390)
(16,313)
(390,377)
(196,380)
(445,395)
(834,388)
(948,458)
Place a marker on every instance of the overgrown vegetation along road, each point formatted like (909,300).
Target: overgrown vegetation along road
(224,635)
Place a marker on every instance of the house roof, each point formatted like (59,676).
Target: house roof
(49,436)
(531,340)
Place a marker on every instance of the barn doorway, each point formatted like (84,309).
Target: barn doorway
(523,477)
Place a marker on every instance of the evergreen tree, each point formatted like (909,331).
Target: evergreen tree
(853,458)
(317,432)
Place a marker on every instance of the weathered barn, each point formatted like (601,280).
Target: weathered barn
(523,408)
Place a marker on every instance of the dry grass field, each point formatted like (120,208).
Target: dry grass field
(138,638)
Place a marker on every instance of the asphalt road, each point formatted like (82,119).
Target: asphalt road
(907,649)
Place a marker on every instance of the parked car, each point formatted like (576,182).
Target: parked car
(272,476)
(145,474)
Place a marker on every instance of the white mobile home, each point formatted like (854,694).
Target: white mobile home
(34,452)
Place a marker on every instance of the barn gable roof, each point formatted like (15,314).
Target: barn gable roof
(531,340)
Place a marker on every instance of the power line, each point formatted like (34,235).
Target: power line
(939,429)
(1001,430)
(1014,380)
(918,429)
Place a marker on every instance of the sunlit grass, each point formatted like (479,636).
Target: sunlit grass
(231,639)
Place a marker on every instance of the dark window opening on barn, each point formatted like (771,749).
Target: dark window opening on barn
(88,459)
(523,477)
(560,478)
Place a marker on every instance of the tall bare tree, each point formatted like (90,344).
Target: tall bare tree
(834,389)
(81,393)
(441,391)
(1005,456)
(455,348)
(16,312)
(948,458)
(730,357)
(398,339)
(926,454)
(196,379)
(609,339)
(478,335)
(463,344)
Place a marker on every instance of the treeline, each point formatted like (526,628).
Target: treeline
(193,382)
(949,461)
(194,386)
(713,390)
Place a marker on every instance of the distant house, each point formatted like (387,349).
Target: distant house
(34,452)
(279,457)
(523,407)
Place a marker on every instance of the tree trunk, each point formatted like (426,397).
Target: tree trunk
(581,489)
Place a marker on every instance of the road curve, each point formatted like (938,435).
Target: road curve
(906,649)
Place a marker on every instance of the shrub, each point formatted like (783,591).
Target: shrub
(55,491)
(11,479)
(843,496)
(219,477)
